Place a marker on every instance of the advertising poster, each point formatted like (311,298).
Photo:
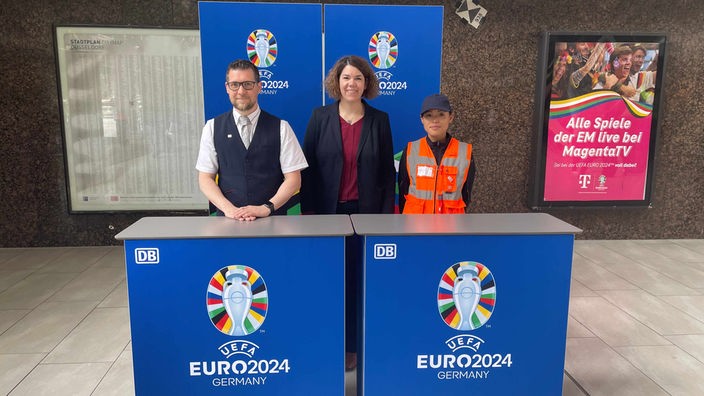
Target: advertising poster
(282,40)
(598,120)
(405,59)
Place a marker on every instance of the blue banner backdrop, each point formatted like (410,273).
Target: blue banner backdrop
(406,59)
(283,40)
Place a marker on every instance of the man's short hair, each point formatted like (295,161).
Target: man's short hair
(638,47)
(242,64)
(332,80)
(619,52)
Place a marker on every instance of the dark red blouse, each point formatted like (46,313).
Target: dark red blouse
(350,142)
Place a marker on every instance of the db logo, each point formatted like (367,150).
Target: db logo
(146,256)
(385,251)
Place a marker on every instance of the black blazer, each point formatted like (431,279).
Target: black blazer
(376,173)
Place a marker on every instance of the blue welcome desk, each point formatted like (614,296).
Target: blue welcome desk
(464,304)
(219,306)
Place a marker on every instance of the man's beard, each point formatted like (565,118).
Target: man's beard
(243,107)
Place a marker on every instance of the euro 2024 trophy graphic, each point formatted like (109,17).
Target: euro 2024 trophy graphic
(262,47)
(466,295)
(237,297)
(237,300)
(383,48)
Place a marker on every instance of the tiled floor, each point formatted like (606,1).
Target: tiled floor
(636,323)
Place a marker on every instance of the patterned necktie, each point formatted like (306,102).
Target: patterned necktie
(246,130)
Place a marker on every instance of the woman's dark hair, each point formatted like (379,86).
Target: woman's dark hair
(332,80)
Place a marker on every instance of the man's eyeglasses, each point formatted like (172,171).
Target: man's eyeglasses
(235,85)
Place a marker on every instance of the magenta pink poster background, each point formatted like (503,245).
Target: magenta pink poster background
(599,153)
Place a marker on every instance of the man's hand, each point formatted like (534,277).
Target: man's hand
(250,212)
(230,213)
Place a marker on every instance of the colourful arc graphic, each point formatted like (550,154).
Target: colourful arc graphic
(253,284)
(383,50)
(262,48)
(449,287)
(563,108)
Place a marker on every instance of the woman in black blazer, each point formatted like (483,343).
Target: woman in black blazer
(351,168)
(332,133)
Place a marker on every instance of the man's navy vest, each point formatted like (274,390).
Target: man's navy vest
(248,177)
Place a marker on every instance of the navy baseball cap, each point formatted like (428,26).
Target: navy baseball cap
(436,102)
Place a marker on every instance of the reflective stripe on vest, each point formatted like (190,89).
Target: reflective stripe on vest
(436,189)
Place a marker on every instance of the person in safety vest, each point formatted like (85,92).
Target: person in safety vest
(436,172)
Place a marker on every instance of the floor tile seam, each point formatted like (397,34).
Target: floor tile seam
(641,371)
(689,353)
(69,363)
(592,261)
(628,315)
(659,299)
(627,361)
(646,246)
(608,268)
(102,378)
(18,320)
(68,333)
(88,299)
(40,266)
(677,280)
(23,353)
(93,310)
(604,266)
(112,361)
(668,260)
(668,346)
(679,309)
(600,262)
(669,343)
(78,274)
(70,250)
(18,281)
(107,253)
(586,327)
(572,279)
(577,384)
(97,265)
(29,372)
(8,258)
(112,291)
(631,257)
(613,273)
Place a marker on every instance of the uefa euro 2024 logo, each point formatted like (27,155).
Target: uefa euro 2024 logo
(383,50)
(466,295)
(237,300)
(262,48)
(383,53)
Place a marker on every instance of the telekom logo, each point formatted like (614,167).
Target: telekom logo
(584,180)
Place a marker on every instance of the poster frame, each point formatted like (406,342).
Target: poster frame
(544,72)
(192,207)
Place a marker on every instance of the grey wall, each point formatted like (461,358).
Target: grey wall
(489,75)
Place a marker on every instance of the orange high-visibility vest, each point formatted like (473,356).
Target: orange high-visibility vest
(433,188)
